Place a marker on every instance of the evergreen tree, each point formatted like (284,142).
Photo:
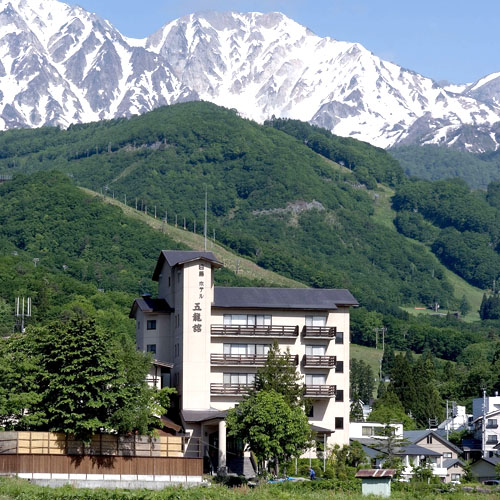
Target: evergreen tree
(388,360)
(464,307)
(362,380)
(388,409)
(429,403)
(280,375)
(356,412)
(403,383)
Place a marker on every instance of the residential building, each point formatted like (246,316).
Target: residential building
(486,416)
(449,466)
(209,342)
(485,468)
(370,430)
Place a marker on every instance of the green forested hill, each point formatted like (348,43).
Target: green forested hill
(322,210)
(270,197)
(436,163)
(70,252)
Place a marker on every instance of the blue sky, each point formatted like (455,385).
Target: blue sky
(454,40)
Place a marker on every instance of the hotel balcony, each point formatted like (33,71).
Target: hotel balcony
(245,359)
(254,331)
(319,332)
(320,391)
(230,389)
(309,361)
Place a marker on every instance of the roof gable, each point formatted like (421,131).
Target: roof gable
(416,437)
(150,305)
(179,257)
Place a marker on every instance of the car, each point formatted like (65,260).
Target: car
(492,482)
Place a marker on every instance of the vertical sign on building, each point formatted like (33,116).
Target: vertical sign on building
(197,309)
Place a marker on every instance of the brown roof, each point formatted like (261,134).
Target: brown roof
(376,473)
(170,424)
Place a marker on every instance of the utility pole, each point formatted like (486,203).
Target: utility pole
(483,441)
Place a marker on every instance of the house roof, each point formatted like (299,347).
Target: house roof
(282,298)
(179,257)
(193,416)
(450,462)
(488,415)
(376,447)
(416,436)
(490,460)
(415,449)
(321,430)
(170,424)
(150,305)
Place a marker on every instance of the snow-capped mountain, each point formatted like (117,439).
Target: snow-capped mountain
(61,65)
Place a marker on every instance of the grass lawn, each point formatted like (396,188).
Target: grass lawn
(12,489)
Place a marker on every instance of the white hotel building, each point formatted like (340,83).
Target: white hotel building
(209,342)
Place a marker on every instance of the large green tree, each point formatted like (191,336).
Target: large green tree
(270,427)
(76,378)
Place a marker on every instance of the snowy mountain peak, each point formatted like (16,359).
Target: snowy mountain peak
(60,64)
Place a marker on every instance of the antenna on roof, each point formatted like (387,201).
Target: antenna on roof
(206,209)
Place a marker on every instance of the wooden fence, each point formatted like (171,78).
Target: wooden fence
(126,466)
(48,443)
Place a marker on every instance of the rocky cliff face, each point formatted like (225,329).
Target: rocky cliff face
(61,65)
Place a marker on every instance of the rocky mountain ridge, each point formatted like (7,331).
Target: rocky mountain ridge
(62,65)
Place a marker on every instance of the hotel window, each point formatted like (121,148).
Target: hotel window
(315,320)
(315,379)
(239,378)
(315,350)
(247,319)
(367,431)
(339,396)
(151,325)
(246,349)
(339,367)
(447,454)
(339,422)
(151,348)
(492,438)
(339,338)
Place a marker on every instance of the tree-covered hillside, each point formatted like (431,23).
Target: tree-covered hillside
(71,253)
(462,227)
(270,197)
(436,163)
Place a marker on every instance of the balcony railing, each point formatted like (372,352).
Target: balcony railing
(229,389)
(321,391)
(492,426)
(254,331)
(246,359)
(491,441)
(319,361)
(319,332)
